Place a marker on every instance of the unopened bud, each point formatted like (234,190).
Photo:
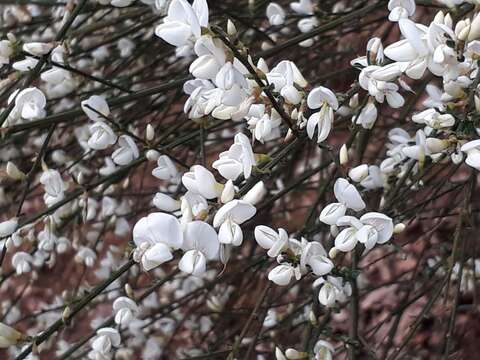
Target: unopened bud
(439,18)
(14,172)
(152,155)
(398,228)
(228,192)
(312,318)
(129,291)
(477,103)
(231,29)
(66,314)
(333,252)
(293,354)
(435,145)
(343,154)
(474,28)
(149,133)
(80,178)
(462,29)
(334,230)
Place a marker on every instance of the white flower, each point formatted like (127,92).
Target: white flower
(419,150)
(211,57)
(103,342)
(400,9)
(22,262)
(286,74)
(125,310)
(86,256)
(377,228)
(46,240)
(193,205)
(434,119)
(237,211)
(166,169)
(230,233)
(155,235)
(183,22)
(334,289)
(200,244)
(347,194)
(275,14)
(281,274)
(8,227)
(326,100)
(102,136)
(346,240)
(375,50)
(239,159)
(201,181)
(99,105)
(315,256)
(472,149)
(375,79)
(270,240)
(332,212)
(128,151)
(367,117)
(29,104)
(263,126)
(53,183)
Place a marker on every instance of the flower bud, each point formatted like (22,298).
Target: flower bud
(333,252)
(14,172)
(398,228)
(231,29)
(66,313)
(343,154)
(293,354)
(462,29)
(279,354)
(149,132)
(81,178)
(228,192)
(152,155)
(129,291)
(435,145)
(474,28)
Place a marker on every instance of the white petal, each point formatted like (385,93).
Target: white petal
(193,262)
(155,256)
(281,275)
